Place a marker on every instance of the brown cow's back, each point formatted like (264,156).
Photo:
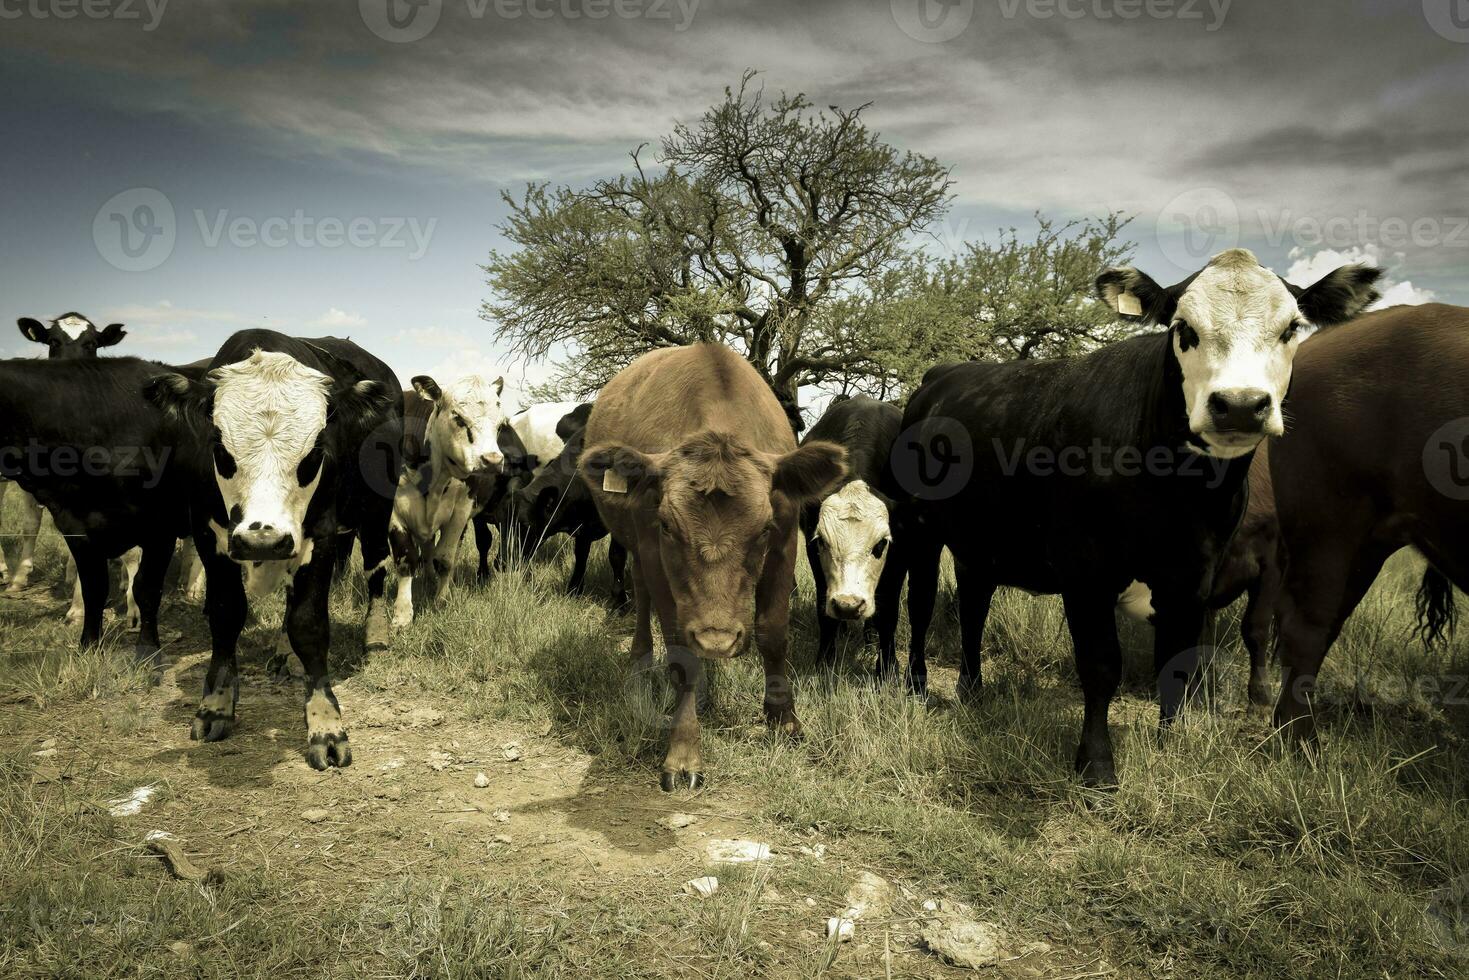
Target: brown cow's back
(667,395)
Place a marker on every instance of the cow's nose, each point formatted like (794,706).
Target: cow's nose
(491,460)
(717,641)
(1239,409)
(848,606)
(260,542)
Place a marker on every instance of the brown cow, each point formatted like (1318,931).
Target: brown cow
(1374,461)
(695,471)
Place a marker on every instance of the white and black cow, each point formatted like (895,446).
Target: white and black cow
(849,538)
(540,441)
(68,337)
(299,432)
(450,435)
(80,437)
(1083,476)
(558,501)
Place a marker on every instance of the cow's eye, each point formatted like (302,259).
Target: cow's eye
(460,421)
(224,463)
(310,463)
(1290,332)
(666,527)
(1187,336)
(880,549)
(821,544)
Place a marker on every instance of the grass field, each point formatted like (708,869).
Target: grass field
(1217,856)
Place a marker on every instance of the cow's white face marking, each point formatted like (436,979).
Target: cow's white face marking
(1235,333)
(853,537)
(73,326)
(464,425)
(270,410)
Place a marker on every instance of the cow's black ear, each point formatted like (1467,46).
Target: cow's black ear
(365,399)
(500,385)
(1134,296)
(32,329)
(809,473)
(617,472)
(111,334)
(180,398)
(428,389)
(573,422)
(1340,295)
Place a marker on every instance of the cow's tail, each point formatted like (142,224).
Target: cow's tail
(1437,614)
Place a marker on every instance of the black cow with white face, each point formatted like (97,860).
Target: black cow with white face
(70,335)
(294,428)
(1117,477)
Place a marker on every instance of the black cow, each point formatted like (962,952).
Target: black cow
(78,435)
(558,501)
(1107,475)
(849,541)
(70,335)
(494,494)
(304,437)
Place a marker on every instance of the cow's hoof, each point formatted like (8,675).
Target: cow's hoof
(969,690)
(325,751)
(1097,774)
(377,633)
(211,728)
(918,684)
(672,781)
(73,616)
(783,721)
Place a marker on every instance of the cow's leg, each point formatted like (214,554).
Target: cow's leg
(191,571)
(617,561)
(373,540)
(772,636)
(131,560)
(405,562)
(1259,616)
(889,594)
(446,548)
(683,766)
(826,626)
(30,527)
(484,538)
(225,605)
(92,580)
(1178,630)
(581,548)
(1322,586)
(974,594)
(641,650)
(1099,666)
(4,568)
(308,624)
(923,587)
(78,608)
(344,555)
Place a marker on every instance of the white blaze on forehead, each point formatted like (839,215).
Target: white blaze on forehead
(74,326)
(1239,311)
(851,524)
(269,409)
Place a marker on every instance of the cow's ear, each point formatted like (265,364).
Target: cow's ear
(1340,295)
(181,398)
(619,471)
(428,389)
(808,473)
(111,334)
(1134,296)
(365,399)
(500,385)
(32,329)
(573,422)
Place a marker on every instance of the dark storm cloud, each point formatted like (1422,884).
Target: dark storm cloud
(1070,106)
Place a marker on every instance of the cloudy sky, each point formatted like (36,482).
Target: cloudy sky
(336,166)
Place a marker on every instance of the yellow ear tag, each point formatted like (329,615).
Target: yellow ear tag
(1129,305)
(614,482)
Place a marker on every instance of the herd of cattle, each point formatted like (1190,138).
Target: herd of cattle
(1135,477)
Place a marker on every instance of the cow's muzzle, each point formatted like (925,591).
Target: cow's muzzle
(261,542)
(852,607)
(1243,410)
